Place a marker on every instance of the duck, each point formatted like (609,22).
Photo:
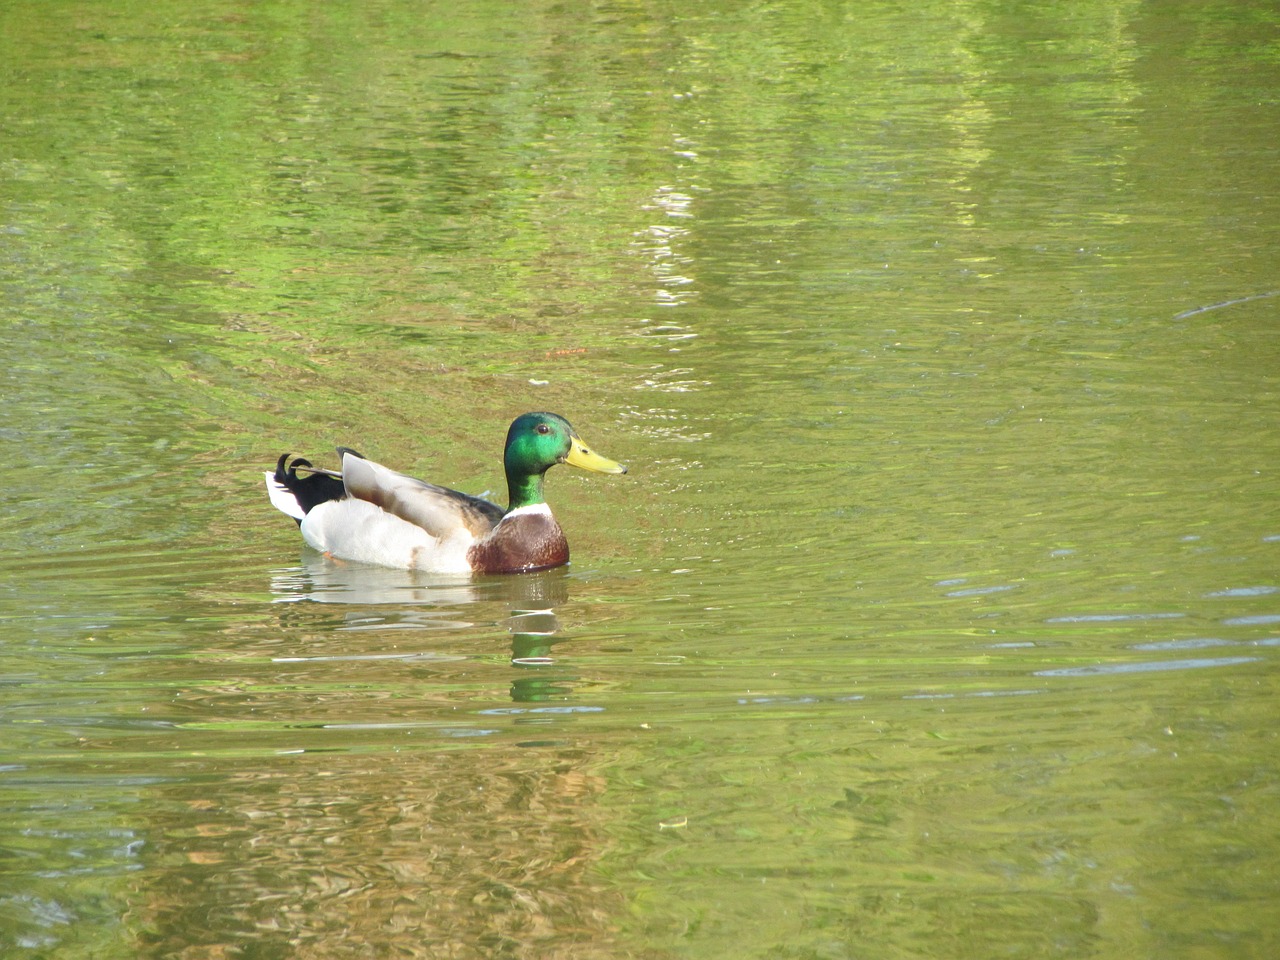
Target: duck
(368,513)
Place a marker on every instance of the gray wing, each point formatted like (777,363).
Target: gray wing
(438,510)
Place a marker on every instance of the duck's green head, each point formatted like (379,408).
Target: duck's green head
(535,443)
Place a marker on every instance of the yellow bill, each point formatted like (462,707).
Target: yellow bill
(580,456)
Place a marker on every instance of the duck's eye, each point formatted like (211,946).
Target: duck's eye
(544,428)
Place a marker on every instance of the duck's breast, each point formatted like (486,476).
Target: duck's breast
(528,538)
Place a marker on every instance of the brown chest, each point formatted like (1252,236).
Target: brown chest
(519,544)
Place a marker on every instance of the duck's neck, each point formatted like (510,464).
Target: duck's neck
(523,489)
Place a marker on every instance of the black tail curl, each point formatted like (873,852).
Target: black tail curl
(309,491)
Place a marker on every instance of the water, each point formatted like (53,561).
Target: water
(938,615)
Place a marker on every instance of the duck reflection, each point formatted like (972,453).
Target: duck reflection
(323,580)
(532,634)
(385,599)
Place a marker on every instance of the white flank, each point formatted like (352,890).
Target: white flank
(282,498)
(357,530)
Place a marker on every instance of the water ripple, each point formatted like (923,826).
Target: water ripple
(1150,667)
(1114,617)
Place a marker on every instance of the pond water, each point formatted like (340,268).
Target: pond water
(939,613)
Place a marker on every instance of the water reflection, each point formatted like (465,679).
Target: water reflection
(412,853)
(661,244)
(323,580)
(386,599)
(450,836)
(891,294)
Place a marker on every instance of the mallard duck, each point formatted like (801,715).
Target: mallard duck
(370,514)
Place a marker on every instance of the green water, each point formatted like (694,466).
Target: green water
(939,615)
